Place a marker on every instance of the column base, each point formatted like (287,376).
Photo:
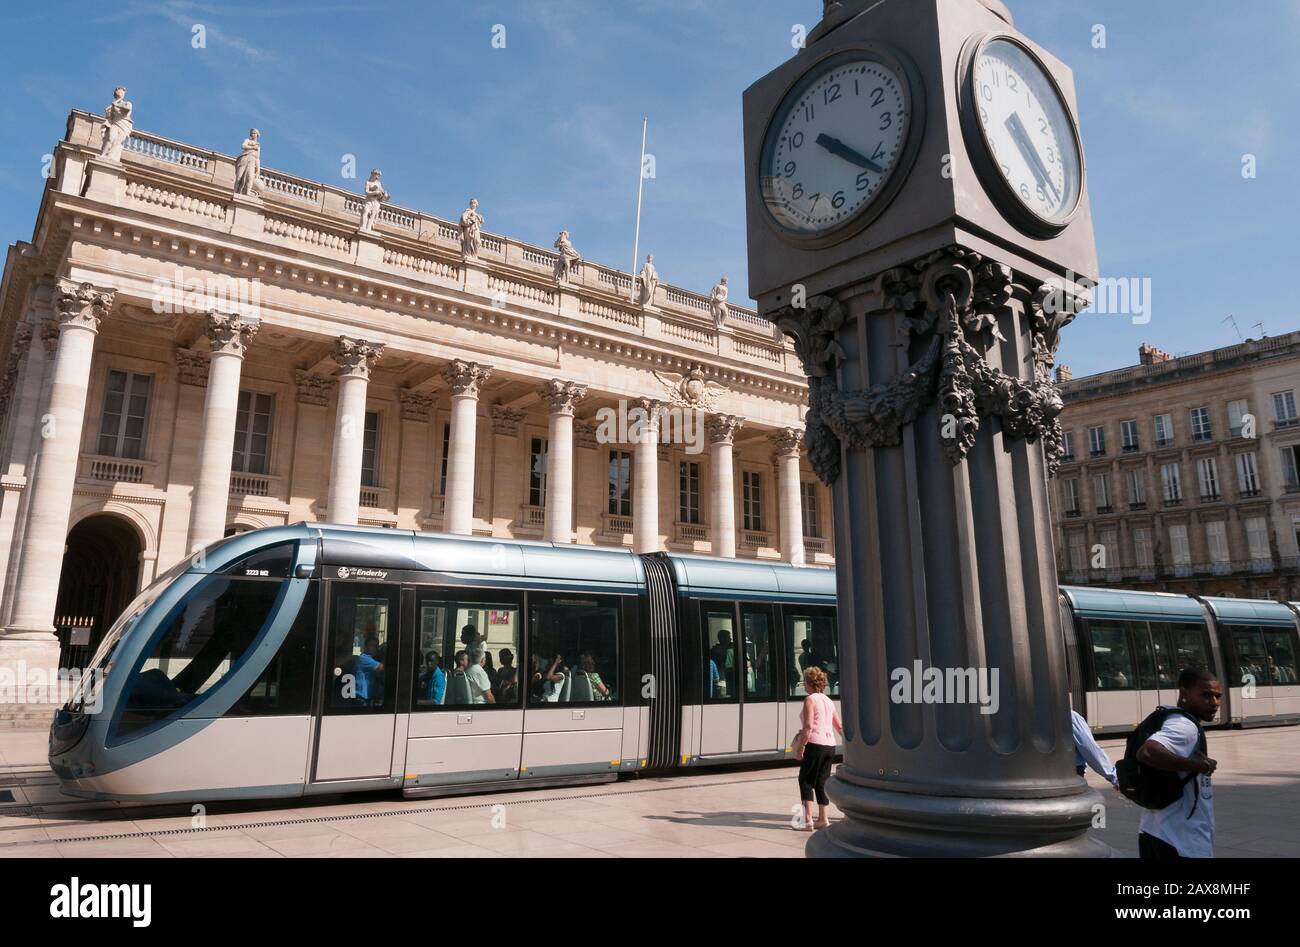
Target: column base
(885,824)
(29,693)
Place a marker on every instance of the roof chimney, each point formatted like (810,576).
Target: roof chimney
(1150,355)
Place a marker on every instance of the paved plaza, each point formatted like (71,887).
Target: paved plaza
(700,814)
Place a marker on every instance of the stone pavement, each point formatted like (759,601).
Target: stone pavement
(700,814)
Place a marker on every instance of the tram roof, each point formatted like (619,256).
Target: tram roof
(711,575)
(1243,611)
(1127,604)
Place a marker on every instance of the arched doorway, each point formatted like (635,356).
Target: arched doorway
(101,574)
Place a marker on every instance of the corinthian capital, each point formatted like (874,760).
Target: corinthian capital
(562,396)
(787,441)
(722,428)
(355,357)
(465,378)
(229,333)
(83,305)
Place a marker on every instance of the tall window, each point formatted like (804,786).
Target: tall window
(126,409)
(1171,483)
(1108,539)
(253,432)
(1257,537)
(1142,547)
(1067,445)
(1179,550)
(1284,408)
(688,492)
(1201,428)
(1101,492)
(1164,429)
(1128,435)
(1247,474)
(1208,470)
(620,483)
(1078,551)
(1290,467)
(537,472)
(1216,541)
(446,449)
(1237,411)
(1137,490)
(1096,441)
(370,450)
(753,500)
(812,523)
(1070,495)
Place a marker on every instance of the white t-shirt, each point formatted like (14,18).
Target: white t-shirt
(1193,837)
(479,683)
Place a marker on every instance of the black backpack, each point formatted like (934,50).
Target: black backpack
(1149,787)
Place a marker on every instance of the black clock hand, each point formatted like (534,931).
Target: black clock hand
(837,147)
(1021,137)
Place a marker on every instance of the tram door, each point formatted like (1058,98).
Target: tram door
(359,690)
(741,704)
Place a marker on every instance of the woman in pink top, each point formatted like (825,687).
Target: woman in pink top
(820,722)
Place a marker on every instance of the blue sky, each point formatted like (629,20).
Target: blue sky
(545,132)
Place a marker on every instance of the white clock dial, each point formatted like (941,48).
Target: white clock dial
(833,143)
(1027,129)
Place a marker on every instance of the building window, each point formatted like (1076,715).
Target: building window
(1201,428)
(126,409)
(1128,435)
(446,449)
(1142,548)
(1179,550)
(1164,429)
(253,432)
(1284,408)
(1078,552)
(1237,411)
(1257,538)
(688,492)
(537,472)
(1096,441)
(1067,445)
(620,483)
(1108,539)
(1070,496)
(1171,483)
(1290,468)
(1247,474)
(1208,470)
(1101,492)
(370,450)
(812,524)
(1216,541)
(753,501)
(1137,491)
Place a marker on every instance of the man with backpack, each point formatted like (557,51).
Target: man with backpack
(1166,771)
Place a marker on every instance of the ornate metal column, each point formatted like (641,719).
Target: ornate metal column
(934,418)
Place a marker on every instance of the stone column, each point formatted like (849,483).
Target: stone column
(933,415)
(561,397)
(785,445)
(355,357)
(722,430)
(228,334)
(465,379)
(645,476)
(30,633)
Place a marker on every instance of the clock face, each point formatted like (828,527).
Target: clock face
(833,143)
(1027,129)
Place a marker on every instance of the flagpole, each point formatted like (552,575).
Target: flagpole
(640,183)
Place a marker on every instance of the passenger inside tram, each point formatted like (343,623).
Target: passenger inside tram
(431,685)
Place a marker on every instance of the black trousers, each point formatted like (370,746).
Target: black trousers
(1151,847)
(814,771)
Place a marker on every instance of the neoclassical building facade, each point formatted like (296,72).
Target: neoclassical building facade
(195,344)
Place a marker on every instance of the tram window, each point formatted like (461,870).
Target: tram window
(814,642)
(718,623)
(1191,647)
(1249,658)
(205,639)
(1111,660)
(1146,673)
(468,654)
(274,562)
(1280,646)
(285,686)
(1167,666)
(758,651)
(362,627)
(573,644)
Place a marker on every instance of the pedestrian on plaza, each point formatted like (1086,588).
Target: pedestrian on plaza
(1088,753)
(814,746)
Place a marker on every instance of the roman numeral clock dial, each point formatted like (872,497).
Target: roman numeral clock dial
(834,143)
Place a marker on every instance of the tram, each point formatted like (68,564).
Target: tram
(313,659)
(1126,648)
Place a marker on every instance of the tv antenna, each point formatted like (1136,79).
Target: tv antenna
(1260,327)
(1233,320)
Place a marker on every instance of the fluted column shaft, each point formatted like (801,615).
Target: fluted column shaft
(786,444)
(721,430)
(465,379)
(228,335)
(561,397)
(80,309)
(645,478)
(355,358)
